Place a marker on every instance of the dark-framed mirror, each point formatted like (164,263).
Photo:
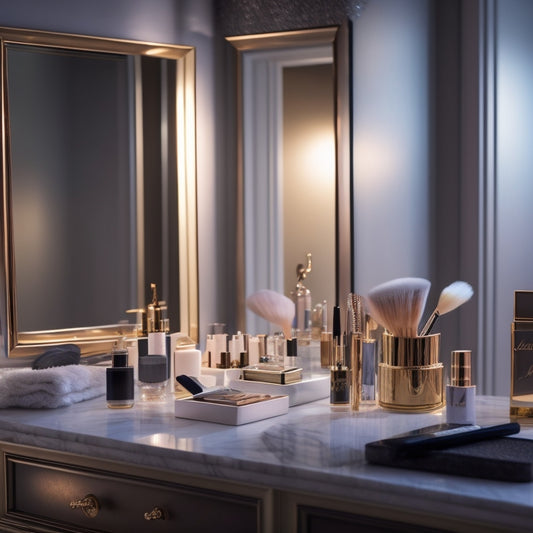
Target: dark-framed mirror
(98,188)
(266,60)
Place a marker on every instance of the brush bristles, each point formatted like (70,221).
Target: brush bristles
(453,296)
(398,305)
(273,307)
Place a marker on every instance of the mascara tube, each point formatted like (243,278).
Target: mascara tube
(356,355)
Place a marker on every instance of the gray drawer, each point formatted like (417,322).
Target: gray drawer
(41,492)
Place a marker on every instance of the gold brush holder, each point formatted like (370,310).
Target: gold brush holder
(410,377)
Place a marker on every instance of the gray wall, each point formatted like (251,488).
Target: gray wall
(417,133)
(512,258)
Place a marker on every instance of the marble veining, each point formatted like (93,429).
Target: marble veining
(314,448)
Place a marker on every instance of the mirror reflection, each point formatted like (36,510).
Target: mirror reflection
(309,177)
(295,185)
(73,187)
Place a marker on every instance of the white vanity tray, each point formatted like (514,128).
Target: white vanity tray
(233,415)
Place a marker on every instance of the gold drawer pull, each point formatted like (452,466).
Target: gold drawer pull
(155,514)
(89,505)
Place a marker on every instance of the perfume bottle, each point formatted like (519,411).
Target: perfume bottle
(119,380)
(154,331)
(153,367)
(157,326)
(521,405)
(460,393)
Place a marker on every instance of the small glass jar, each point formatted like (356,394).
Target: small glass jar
(153,380)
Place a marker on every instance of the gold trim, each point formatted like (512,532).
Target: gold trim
(18,344)
(521,412)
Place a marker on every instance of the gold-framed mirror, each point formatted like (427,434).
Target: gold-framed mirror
(336,39)
(98,198)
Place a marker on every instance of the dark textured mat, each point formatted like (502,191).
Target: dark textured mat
(503,459)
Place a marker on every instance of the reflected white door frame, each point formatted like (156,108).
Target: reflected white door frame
(262,86)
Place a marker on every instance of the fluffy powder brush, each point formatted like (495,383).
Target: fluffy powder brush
(398,305)
(450,298)
(273,307)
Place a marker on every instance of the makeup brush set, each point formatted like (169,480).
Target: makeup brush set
(410,375)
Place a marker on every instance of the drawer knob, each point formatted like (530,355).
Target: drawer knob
(89,505)
(155,514)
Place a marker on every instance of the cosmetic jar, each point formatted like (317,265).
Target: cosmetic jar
(410,376)
(153,379)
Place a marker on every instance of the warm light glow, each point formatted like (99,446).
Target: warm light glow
(317,154)
(157,51)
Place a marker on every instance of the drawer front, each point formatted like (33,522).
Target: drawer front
(317,520)
(42,492)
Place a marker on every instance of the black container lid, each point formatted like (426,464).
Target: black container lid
(119,358)
(153,368)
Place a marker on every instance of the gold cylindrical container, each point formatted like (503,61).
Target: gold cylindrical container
(417,351)
(410,378)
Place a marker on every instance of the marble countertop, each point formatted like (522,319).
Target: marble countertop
(314,448)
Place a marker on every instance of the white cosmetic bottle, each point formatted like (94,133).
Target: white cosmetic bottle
(460,393)
(156,326)
(153,368)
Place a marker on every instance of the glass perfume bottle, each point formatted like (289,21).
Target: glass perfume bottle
(153,367)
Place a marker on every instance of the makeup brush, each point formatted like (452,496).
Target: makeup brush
(273,307)
(355,307)
(398,305)
(450,298)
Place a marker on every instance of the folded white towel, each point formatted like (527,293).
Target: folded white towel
(50,387)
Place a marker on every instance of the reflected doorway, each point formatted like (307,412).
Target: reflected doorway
(289,172)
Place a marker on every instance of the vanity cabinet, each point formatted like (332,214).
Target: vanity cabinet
(300,473)
(50,491)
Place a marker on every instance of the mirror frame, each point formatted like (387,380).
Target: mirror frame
(340,38)
(98,340)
